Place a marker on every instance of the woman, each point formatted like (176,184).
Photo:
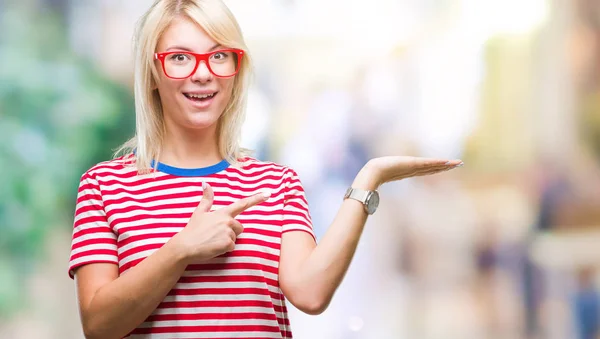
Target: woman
(185,235)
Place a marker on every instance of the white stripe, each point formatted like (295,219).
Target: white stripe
(88,190)
(192,182)
(184,221)
(295,209)
(227,284)
(229,177)
(247,226)
(210,335)
(209,322)
(247,234)
(190,210)
(92,236)
(244,259)
(259,248)
(296,199)
(95,257)
(146,253)
(90,213)
(291,218)
(149,231)
(143,242)
(202,310)
(223,297)
(94,247)
(136,255)
(148,239)
(230,272)
(118,169)
(159,194)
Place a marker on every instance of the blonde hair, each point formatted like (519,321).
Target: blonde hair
(220,24)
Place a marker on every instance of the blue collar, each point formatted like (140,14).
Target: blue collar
(191,172)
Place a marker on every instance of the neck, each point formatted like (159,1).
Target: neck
(190,148)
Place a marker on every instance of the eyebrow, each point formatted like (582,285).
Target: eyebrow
(181,48)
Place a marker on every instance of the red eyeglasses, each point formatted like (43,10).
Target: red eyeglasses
(222,63)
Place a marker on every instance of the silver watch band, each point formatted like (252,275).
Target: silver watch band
(369,199)
(357,194)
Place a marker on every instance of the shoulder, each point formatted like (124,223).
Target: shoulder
(117,166)
(250,164)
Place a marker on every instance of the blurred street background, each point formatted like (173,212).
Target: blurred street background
(506,247)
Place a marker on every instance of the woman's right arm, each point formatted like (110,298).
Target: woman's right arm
(111,306)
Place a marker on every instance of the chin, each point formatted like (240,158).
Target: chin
(201,120)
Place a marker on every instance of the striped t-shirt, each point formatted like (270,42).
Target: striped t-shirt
(122,217)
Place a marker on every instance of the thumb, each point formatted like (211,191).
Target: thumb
(207,199)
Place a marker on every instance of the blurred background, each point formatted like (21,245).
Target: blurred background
(507,246)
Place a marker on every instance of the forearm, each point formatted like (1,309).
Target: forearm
(123,304)
(324,269)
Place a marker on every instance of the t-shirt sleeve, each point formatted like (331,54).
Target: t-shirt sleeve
(296,216)
(93,240)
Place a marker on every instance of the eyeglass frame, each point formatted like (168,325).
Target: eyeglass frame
(200,57)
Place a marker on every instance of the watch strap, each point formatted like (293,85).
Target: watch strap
(357,194)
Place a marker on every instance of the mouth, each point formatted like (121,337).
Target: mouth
(204,97)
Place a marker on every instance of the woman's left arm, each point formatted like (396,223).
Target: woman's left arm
(309,274)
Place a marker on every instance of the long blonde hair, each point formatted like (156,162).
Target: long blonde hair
(220,24)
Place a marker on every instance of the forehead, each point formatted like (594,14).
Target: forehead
(183,32)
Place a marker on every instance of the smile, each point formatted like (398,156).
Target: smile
(193,96)
(200,100)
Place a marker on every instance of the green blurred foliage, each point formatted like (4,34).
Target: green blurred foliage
(58,116)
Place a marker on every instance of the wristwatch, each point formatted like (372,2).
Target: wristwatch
(369,199)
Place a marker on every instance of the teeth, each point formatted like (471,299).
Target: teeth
(200,96)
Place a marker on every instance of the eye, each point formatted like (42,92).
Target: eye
(220,56)
(179,57)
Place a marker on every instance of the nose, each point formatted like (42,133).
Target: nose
(202,73)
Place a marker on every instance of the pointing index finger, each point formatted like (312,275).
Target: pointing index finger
(241,205)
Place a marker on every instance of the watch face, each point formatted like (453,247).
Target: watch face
(373,202)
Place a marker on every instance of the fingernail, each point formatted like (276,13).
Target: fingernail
(204,185)
(460,165)
(448,163)
(266,194)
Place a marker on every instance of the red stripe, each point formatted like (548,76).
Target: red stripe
(233,266)
(86,197)
(92,230)
(219,303)
(89,208)
(224,291)
(251,253)
(273,176)
(162,207)
(92,253)
(217,186)
(95,241)
(211,316)
(227,278)
(74,267)
(217,328)
(90,219)
(158,197)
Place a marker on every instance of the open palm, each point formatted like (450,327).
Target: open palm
(393,168)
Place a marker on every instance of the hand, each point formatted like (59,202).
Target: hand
(391,168)
(210,234)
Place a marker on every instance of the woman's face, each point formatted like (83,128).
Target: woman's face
(183,100)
